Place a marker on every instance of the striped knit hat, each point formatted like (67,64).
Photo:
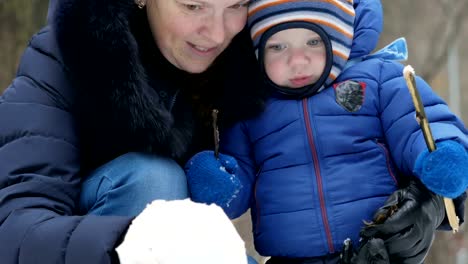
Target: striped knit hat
(334,17)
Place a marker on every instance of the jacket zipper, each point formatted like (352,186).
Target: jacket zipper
(318,176)
(387,158)
(173,100)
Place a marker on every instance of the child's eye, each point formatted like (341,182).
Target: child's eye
(314,42)
(276,47)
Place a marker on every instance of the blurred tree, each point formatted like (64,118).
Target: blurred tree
(19,19)
(430,27)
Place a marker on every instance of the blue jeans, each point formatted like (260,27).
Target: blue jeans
(125,185)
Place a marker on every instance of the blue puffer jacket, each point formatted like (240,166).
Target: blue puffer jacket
(320,166)
(39,165)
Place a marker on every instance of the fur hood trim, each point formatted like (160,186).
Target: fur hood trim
(102,55)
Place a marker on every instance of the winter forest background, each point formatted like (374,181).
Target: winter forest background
(436,31)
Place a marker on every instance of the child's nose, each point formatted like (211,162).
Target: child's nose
(298,57)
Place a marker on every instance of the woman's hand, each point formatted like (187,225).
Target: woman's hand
(406,224)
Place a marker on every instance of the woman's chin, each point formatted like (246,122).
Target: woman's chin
(195,67)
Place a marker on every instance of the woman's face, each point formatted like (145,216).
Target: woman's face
(192,33)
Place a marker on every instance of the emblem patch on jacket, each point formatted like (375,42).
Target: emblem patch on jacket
(350,95)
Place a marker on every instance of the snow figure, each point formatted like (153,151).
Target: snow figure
(182,232)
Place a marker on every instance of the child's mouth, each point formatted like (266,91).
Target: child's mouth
(300,81)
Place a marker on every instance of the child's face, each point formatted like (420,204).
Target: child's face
(294,57)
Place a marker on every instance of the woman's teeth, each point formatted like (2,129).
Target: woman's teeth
(201,48)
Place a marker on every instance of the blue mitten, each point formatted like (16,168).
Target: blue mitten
(212,180)
(445,170)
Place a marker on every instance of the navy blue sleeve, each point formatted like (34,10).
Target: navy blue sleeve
(39,171)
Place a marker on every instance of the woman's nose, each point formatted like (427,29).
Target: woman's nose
(214,29)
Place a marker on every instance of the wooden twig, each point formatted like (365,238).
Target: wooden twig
(409,74)
(214,115)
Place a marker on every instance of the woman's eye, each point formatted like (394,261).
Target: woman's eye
(240,5)
(192,7)
(314,42)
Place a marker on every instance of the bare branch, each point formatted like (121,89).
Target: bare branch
(446,33)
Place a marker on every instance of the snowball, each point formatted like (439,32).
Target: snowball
(182,232)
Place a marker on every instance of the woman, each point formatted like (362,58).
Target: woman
(110,99)
(93,91)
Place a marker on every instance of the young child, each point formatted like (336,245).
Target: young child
(336,135)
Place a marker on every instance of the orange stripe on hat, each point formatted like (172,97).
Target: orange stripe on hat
(340,54)
(279,2)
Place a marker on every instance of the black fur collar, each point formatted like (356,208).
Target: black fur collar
(121,108)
